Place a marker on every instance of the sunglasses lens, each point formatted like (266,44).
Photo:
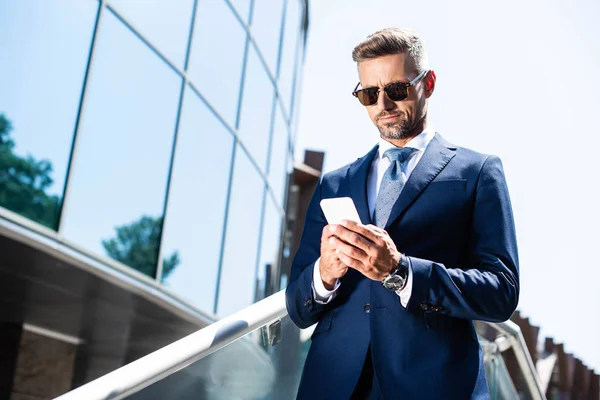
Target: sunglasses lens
(396,91)
(367,97)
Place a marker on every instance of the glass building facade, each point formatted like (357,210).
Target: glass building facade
(158,134)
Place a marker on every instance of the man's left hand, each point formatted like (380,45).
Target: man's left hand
(367,249)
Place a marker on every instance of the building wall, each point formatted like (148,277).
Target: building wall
(155,133)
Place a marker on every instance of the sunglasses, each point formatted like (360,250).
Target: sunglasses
(395,91)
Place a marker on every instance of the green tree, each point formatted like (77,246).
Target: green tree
(24,182)
(137,244)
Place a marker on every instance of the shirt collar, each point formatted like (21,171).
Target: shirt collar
(419,142)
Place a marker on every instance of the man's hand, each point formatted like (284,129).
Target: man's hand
(330,265)
(366,248)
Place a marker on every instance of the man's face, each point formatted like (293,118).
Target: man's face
(396,119)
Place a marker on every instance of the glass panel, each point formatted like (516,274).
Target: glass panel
(268,263)
(288,51)
(499,381)
(44,51)
(296,100)
(118,183)
(217,56)
(245,369)
(266,29)
(279,150)
(241,243)
(165,24)
(257,103)
(242,7)
(194,222)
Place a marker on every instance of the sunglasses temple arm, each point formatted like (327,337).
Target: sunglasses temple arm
(418,77)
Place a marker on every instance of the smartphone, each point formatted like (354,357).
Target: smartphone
(338,209)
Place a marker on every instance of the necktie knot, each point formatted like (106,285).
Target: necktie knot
(392,183)
(399,154)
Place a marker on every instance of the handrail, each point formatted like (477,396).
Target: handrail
(141,373)
(517,343)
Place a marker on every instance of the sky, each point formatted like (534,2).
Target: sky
(515,79)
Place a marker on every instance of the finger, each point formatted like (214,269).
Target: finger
(363,230)
(330,244)
(354,239)
(352,263)
(351,251)
(328,231)
(377,230)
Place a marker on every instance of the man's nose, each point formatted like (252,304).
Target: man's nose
(383,102)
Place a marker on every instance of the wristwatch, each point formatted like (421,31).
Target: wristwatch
(397,278)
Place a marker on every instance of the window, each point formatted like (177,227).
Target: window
(165,24)
(289,51)
(257,103)
(117,189)
(242,7)
(238,278)
(278,168)
(268,263)
(44,51)
(195,218)
(266,29)
(217,57)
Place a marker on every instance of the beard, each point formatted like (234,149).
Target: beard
(402,129)
(399,130)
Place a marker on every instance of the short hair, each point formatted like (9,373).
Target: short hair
(391,41)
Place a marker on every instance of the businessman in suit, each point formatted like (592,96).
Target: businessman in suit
(395,295)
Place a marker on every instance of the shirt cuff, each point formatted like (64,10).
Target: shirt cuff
(320,293)
(406,291)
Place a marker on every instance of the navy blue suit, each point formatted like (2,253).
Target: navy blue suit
(454,221)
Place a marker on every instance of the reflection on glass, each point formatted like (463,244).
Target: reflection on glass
(288,52)
(136,244)
(268,262)
(242,370)
(198,194)
(266,28)
(165,24)
(44,51)
(257,103)
(279,153)
(217,55)
(295,105)
(242,7)
(499,381)
(238,276)
(119,176)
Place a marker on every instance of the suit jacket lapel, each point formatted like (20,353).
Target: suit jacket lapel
(437,155)
(357,179)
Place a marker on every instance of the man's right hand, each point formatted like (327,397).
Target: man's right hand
(330,265)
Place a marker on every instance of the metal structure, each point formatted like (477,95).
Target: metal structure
(144,372)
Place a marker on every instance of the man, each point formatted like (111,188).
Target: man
(395,295)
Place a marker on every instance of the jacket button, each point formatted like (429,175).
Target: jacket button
(425,306)
(307,303)
(367,308)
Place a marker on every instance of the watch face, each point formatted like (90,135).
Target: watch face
(394,282)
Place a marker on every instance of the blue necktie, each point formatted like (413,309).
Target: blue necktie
(392,183)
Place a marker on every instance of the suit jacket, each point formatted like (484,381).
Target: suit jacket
(454,221)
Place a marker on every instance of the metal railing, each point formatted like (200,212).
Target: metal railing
(140,374)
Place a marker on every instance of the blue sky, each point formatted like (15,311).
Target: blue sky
(515,79)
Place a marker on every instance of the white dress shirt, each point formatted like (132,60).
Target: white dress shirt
(378,167)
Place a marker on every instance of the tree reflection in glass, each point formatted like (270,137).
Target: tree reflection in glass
(24,182)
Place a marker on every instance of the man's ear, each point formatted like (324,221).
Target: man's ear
(430,83)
